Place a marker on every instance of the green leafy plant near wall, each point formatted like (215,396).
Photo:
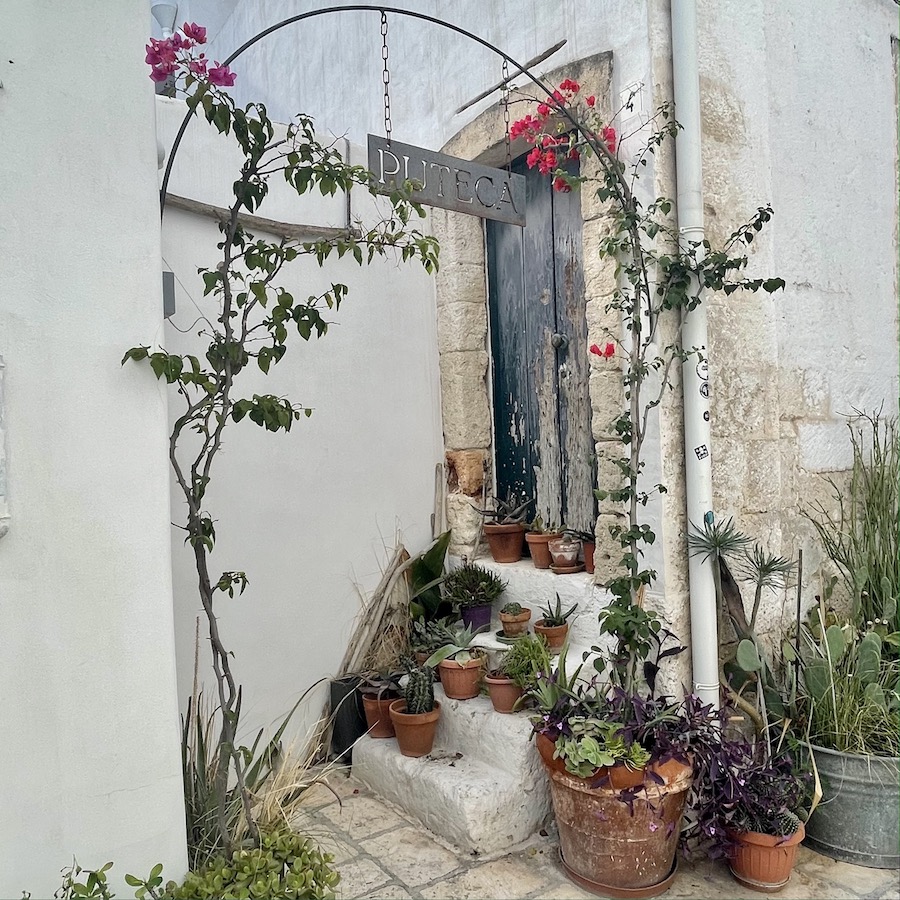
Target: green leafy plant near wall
(658,278)
(251,324)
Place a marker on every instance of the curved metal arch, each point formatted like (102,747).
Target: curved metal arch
(552,101)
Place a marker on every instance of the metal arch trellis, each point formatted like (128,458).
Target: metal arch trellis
(382,10)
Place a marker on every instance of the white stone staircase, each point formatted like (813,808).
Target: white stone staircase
(483,788)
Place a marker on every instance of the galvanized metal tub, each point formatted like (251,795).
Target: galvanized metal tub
(858,820)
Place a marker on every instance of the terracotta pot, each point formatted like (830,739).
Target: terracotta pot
(545,748)
(614,844)
(538,544)
(378,716)
(476,617)
(513,626)
(588,548)
(564,551)
(621,777)
(460,681)
(504,693)
(555,634)
(415,733)
(505,541)
(763,862)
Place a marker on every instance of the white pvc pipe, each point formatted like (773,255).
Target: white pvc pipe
(695,372)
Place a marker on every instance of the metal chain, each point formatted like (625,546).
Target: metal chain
(386,77)
(504,99)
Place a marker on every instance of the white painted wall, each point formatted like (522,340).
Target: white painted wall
(90,761)
(307,514)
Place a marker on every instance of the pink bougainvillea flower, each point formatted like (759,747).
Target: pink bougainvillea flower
(221,76)
(161,73)
(160,52)
(198,66)
(543,109)
(591,101)
(609,135)
(195,32)
(561,185)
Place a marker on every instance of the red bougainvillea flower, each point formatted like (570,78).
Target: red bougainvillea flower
(547,163)
(543,109)
(591,101)
(194,32)
(534,157)
(561,185)
(609,135)
(221,75)
(570,87)
(607,351)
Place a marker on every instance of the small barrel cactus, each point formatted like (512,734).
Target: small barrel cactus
(419,692)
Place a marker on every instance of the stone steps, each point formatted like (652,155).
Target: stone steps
(482,788)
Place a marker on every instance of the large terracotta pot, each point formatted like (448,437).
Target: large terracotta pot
(555,634)
(504,693)
(513,626)
(611,846)
(763,862)
(460,681)
(378,716)
(538,544)
(415,733)
(505,541)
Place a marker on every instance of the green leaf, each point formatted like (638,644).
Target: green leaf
(815,675)
(888,602)
(874,694)
(868,658)
(788,652)
(748,657)
(133,881)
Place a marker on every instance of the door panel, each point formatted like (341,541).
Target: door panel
(543,438)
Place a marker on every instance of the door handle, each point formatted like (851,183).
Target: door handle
(559,341)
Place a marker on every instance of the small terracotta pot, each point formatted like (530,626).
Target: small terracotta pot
(460,681)
(555,634)
(538,544)
(415,733)
(513,626)
(505,541)
(564,551)
(504,692)
(588,548)
(378,715)
(763,862)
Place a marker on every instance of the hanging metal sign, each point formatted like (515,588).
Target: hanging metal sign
(448,182)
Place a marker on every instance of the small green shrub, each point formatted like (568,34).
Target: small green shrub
(527,656)
(472,585)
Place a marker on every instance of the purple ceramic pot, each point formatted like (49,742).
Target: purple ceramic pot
(476,617)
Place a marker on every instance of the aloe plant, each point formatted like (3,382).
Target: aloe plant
(458,647)
(554,616)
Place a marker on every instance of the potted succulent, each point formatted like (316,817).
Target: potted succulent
(416,715)
(425,636)
(527,656)
(472,589)
(564,552)
(504,528)
(514,618)
(379,690)
(459,664)
(588,547)
(538,538)
(553,624)
(765,828)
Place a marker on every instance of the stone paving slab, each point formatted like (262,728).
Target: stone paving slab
(382,855)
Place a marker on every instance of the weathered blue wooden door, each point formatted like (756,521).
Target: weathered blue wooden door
(543,440)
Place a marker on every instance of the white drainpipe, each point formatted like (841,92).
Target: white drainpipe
(695,383)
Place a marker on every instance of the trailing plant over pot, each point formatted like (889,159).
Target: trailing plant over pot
(247,319)
(415,717)
(459,664)
(471,589)
(553,625)
(504,527)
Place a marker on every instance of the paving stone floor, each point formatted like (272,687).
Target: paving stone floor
(383,855)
